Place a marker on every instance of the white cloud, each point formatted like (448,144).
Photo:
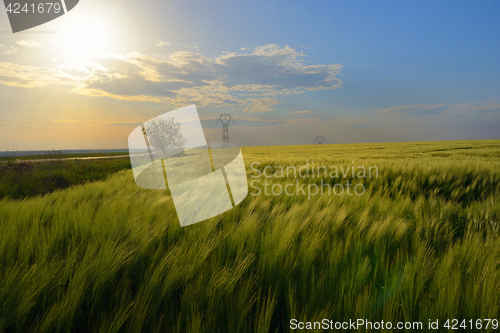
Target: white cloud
(7,49)
(250,81)
(264,104)
(161,43)
(233,79)
(33,77)
(28,43)
(301,112)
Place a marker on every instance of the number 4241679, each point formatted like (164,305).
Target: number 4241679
(41,8)
(454,324)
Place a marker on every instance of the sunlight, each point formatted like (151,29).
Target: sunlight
(84,37)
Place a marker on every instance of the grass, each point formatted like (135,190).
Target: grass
(422,243)
(26,179)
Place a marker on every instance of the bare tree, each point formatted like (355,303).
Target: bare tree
(164,134)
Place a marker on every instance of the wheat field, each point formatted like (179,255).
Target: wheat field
(421,243)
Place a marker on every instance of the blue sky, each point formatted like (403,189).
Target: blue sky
(353,71)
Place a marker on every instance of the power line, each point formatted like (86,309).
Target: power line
(225,119)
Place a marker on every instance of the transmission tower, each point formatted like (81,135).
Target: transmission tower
(225,119)
(320,139)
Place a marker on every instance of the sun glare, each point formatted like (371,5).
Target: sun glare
(84,37)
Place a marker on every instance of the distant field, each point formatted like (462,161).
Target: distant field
(13,157)
(422,243)
(19,179)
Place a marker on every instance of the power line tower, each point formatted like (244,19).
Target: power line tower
(320,139)
(225,119)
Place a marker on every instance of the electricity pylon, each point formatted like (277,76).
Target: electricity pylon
(225,119)
(320,139)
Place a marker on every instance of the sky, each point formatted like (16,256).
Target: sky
(286,71)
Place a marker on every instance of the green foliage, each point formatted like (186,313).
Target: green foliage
(26,179)
(422,243)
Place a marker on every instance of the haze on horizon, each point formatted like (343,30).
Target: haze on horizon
(287,71)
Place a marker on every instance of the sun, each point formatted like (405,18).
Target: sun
(84,37)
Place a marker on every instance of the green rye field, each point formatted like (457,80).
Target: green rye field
(422,243)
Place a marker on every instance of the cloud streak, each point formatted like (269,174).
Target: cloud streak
(160,43)
(491,105)
(7,49)
(487,111)
(28,43)
(33,77)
